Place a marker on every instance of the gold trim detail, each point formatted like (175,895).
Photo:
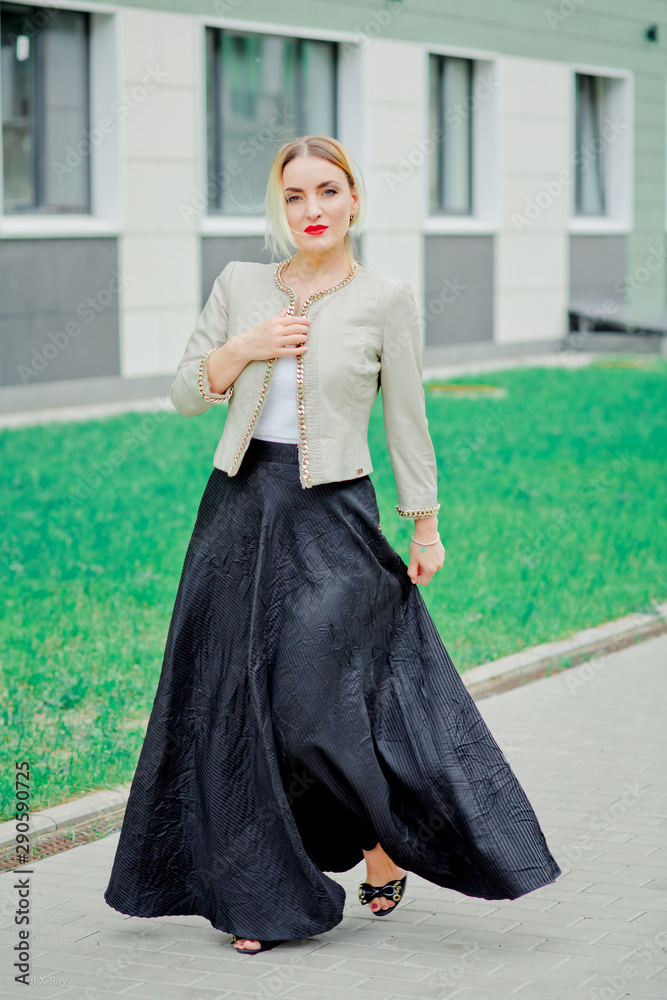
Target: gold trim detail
(202,379)
(418,512)
(301,409)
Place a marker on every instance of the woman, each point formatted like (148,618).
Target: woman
(307,713)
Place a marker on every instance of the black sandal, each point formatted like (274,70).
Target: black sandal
(263,946)
(392,890)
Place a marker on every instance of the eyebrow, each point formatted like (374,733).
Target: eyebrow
(323,184)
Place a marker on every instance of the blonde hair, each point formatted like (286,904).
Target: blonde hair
(279,239)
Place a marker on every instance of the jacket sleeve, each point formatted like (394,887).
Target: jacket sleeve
(210,331)
(409,443)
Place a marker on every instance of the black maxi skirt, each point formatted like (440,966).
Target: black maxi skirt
(306,709)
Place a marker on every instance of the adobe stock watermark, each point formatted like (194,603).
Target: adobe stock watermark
(246,152)
(451,976)
(430,827)
(510,745)
(224,7)
(122,107)
(131,441)
(562,519)
(637,278)
(473,441)
(129,621)
(88,310)
(553,189)
(107,969)
(563,11)
(263,309)
(461,621)
(602,820)
(625,287)
(455,116)
(38,19)
(221,870)
(650,950)
(578,677)
(450,290)
(378,22)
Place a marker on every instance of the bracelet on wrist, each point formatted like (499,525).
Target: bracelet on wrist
(424,544)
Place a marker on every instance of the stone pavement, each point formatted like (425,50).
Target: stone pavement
(589,746)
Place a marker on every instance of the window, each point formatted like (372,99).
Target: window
(44,60)
(262,91)
(602,151)
(451,111)
(590,147)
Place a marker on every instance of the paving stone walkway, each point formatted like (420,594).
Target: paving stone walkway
(589,746)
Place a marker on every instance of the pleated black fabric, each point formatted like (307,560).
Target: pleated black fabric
(307,708)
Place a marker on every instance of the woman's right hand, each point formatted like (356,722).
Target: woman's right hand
(275,337)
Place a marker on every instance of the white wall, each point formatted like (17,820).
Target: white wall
(531,258)
(396,119)
(158,246)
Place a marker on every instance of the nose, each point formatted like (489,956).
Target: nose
(314,210)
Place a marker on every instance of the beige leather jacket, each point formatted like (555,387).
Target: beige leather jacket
(365,335)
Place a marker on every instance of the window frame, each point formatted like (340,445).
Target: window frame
(38,165)
(485,165)
(619,167)
(350,103)
(440,59)
(600,97)
(214,112)
(105,163)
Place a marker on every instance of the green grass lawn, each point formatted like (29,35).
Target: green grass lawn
(552,516)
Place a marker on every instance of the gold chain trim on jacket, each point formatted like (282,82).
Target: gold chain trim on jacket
(422,512)
(301,409)
(202,377)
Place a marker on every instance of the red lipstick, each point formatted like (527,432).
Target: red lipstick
(316,230)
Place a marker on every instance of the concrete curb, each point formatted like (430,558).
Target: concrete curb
(74,813)
(482,681)
(539,661)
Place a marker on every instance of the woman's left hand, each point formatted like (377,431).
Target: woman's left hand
(424,565)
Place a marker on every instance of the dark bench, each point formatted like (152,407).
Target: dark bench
(612,316)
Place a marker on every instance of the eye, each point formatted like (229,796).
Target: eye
(333,190)
(292,198)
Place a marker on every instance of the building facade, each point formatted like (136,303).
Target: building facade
(513,153)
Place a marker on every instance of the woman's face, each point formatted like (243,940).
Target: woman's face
(319,202)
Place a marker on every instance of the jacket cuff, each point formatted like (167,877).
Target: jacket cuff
(417,511)
(205,386)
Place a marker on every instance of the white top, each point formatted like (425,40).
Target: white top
(278,418)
